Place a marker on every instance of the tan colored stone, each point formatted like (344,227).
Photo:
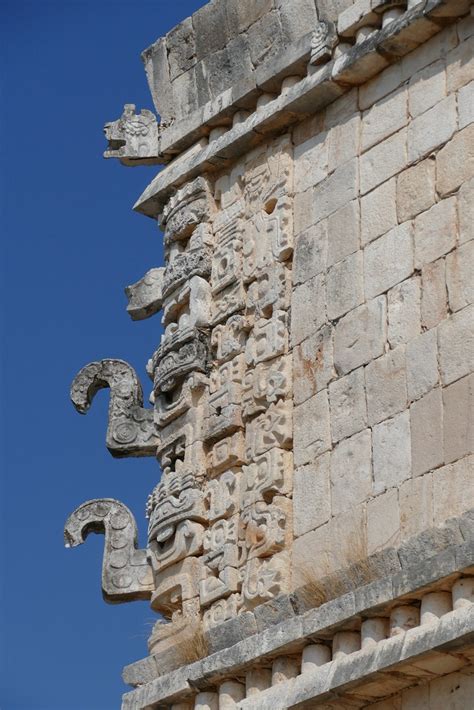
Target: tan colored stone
(416,189)
(385,380)
(310,253)
(383,161)
(384,118)
(343,231)
(343,141)
(435,232)
(422,364)
(388,260)
(460,276)
(455,690)
(427,88)
(311,495)
(345,285)
(432,129)
(383,522)
(348,405)
(360,335)
(426,426)
(311,162)
(404,321)
(384,83)
(460,65)
(313,364)
(456,345)
(351,472)
(466,105)
(392,452)
(305,215)
(458,419)
(312,435)
(466,211)
(378,211)
(455,162)
(338,189)
(429,52)
(416,506)
(308,305)
(434,297)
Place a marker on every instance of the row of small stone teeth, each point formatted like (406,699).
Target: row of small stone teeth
(361,34)
(434,605)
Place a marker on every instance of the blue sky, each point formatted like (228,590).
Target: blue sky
(71,243)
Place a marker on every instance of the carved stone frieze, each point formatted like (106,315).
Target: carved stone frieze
(134,138)
(126,573)
(188,207)
(195,262)
(182,352)
(131,429)
(145,298)
(323,41)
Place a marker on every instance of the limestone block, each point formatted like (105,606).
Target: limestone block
(466,211)
(403,618)
(404,319)
(310,255)
(206,701)
(429,52)
(311,495)
(344,643)
(378,211)
(180,43)
(343,139)
(459,276)
(426,426)
(311,162)
(305,211)
(314,656)
(284,668)
(308,307)
(427,88)
(345,285)
(351,472)
(343,230)
(360,335)
(383,522)
(466,105)
(383,161)
(434,296)
(435,232)
(386,386)
(458,419)
(384,118)
(456,345)
(231,692)
(388,260)
(257,680)
(373,630)
(416,189)
(270,429)
(336,190)
(463,592)
(434,605)
(455,162)
(392,452)
(416,506)
(311,429)
(432,129)
(313,364)
(460,65)
(381,85)
(455,690)
(348,405)
(268,339)
(422,364)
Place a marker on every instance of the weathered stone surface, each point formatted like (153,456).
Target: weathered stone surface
(348,405)
(345,286)
(311,495)
(310,255)
(456,345)
(343,230)
(427,88)
(384,118)
(426,426)
(459,270)
(422,364)
(309,308)
(455,162)
(432,129)
(388,260)
(145,298)
(416,506)
(360,335)
(133,138)
(383,522)
(382,161)
(351,472)
(458,419)
(435,232)
(434,299)
(465,105)
(313,364)
(392,452)
(466,211)
(386,386)
(416,189)
(404,318)
(378,211)
(312,435)
(453,491)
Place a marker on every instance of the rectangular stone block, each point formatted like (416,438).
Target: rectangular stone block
(343,140)
(312,435)
(385,117)
(435,232)
(458,419)
(404,315)
(311,162)
(382,161)
(311,495)
(429,52)
(348,405)
(434,298)
(388,260)
(466,211)
(416,506)
(456,345)
(466,105)
(392,452)
(310,253)
(455,162)
(304,210)
(416,189)
(351,472)
(386,387)
(460,276)
(378,211)
(427,88)
(383,522)
(422,364)
(460,65)
(345,285)
(313,364)
(308,305)
(453,490)
(432,129)
(337,189)
(360,335)
(381,85)
(426,426)
(343,230)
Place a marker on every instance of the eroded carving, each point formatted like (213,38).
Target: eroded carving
(145,297)
(323,41)
(134,138)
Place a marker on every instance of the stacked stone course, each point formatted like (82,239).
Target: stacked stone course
(310,538)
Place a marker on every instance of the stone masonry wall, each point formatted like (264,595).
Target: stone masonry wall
(382,321)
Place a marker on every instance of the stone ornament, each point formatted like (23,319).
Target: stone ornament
(145,298)
(133,138)
(131,430)
(126,573)
(323,41)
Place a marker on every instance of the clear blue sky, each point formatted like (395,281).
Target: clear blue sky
(71,243)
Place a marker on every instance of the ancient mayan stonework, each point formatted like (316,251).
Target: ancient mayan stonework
(310,538)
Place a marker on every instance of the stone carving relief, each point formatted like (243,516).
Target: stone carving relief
(323,41)
(145,298)
(134,138)
(131,430)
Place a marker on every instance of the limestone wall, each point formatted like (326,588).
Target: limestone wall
(454,691)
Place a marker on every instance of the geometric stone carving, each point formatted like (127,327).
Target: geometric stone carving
(323,41)
(133,138)
(126,574)
(131,431)
(181,352)
(196,262)
(266,476)
(229,339)
(188,207)
(145,297)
